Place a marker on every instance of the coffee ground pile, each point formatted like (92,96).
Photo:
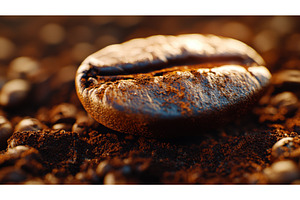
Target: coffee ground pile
(46,137)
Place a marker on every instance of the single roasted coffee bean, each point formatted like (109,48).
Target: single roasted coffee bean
(29,124)
(23,68)
(287,79)
(283,148)
(62,126)
(171,85)
(14,92)
(82,123)
(17,150)
(285,171)
(287,101)
(63,113)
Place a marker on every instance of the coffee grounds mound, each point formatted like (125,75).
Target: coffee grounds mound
(109,157)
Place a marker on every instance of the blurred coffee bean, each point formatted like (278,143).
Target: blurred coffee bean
(23,68)
(63,113)
(51,179)
(6,131)
(29,124)
(7,48)
(282,148)
(285,171)
(113,178)
(82,123)
(12,175)
(287,79)
(17,150)
(287,100)
(52,33)
(62,126)
(103,168)
(14,92)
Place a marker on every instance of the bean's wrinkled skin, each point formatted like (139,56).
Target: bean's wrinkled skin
(165,85)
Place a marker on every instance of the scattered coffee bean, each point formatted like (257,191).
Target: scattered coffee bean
(82,123)
(14,92)
(287,79)
(103,168)
(287,101)
(285,171)
(23,68)
(12,175)
(284,99)
(162,85)
(62,126)
(282,148)
(29,124)
(17,150)
(6,131)
(63,113)
(114,178)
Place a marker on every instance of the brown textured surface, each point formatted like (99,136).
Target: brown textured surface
(137,88)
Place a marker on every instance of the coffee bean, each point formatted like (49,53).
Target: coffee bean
(12,175)
(23,68)
(63,113)
(284,171)
(282,148)
(82,123)
(287,101)
(14,92)
(29,124)
(171,85)
(6,131)
(17,150)
(113,178)
(103,168)
(62,126)
(287,79)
